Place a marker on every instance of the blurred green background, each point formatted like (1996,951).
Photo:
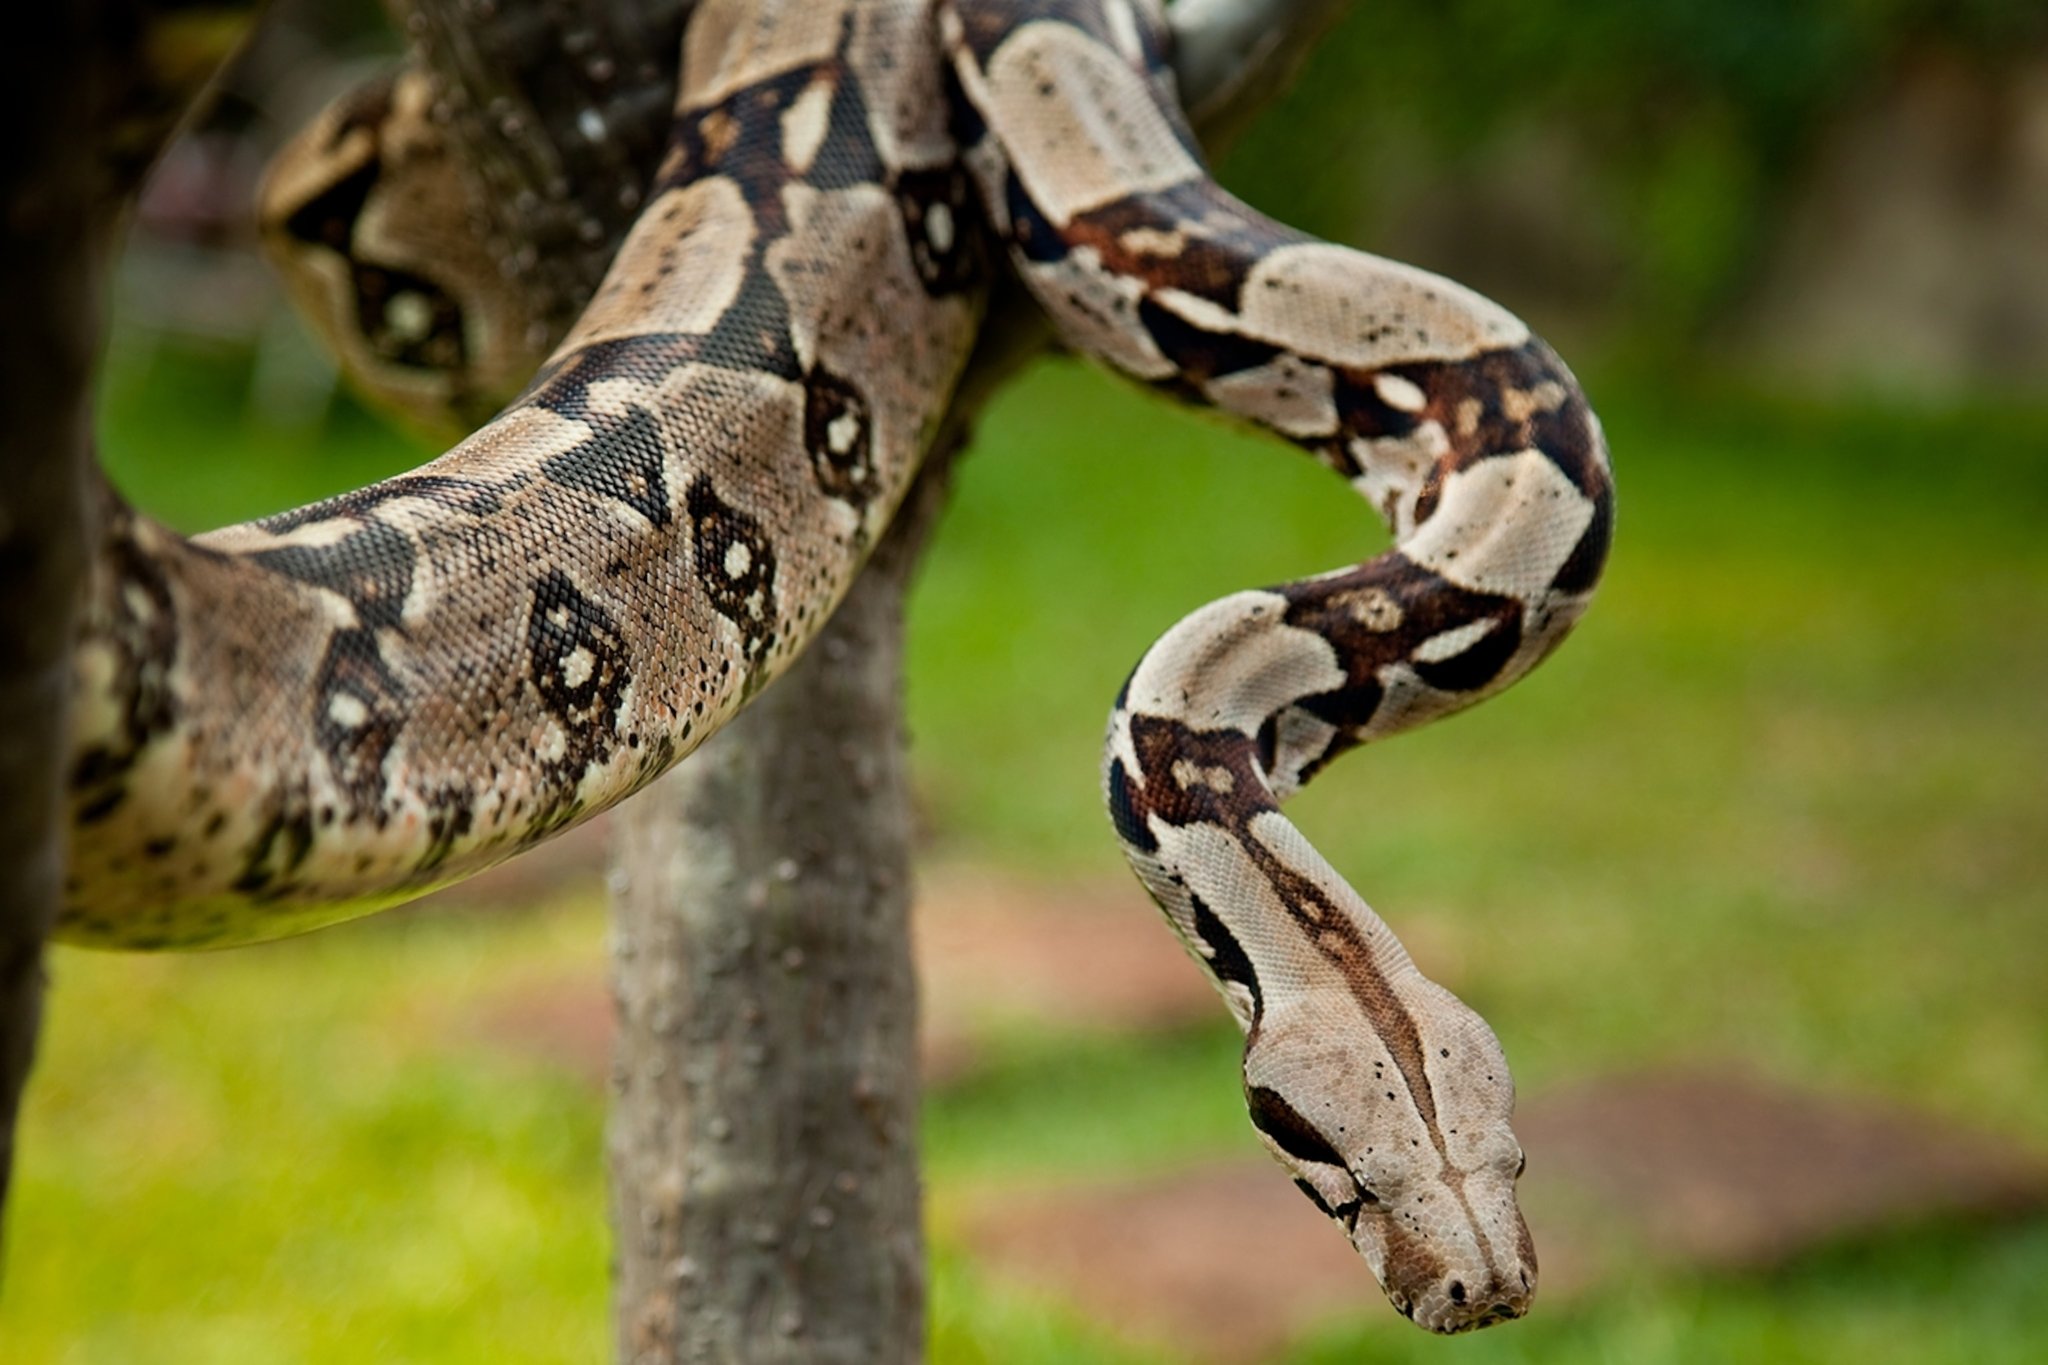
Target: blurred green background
(1780,803)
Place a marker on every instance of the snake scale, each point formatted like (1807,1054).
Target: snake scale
(306,717)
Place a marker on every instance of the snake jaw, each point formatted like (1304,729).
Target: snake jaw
(1445,1274)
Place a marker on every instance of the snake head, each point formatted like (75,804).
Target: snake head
(1406,1145)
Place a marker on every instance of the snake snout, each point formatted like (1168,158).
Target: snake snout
(1455,1306)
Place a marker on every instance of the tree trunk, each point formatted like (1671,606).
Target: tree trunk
(88,94)
(764,1120)
(50,272)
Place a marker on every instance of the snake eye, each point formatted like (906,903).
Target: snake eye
(1521,1165)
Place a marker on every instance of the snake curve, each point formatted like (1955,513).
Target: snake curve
(306,717)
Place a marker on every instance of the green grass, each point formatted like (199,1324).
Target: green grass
(1930,1296)
(1780,803)
(275,1156)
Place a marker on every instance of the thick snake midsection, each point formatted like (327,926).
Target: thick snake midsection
(301,718)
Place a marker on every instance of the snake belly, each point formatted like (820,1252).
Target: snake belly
(1385,1096)
(300,719)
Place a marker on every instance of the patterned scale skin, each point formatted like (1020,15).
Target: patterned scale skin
(1385,1096)
(301,719)
(366,215)
(306,717)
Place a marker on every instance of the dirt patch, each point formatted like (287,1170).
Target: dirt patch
(1066,957)
(993,953)
(1715,1169)
(1225,1262)
(1228,1262)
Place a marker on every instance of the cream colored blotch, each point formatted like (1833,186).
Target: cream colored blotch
(1504,525)
(735,43)
(1082,128)
(1348,308)
(691,244)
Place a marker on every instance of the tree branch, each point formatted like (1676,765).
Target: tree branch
(50,274)
(562,112)
(1233,56)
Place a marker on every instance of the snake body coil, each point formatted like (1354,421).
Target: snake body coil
(299,719)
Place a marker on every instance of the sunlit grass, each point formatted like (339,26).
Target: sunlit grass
(1780,804)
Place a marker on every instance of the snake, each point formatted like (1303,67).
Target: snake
(315,714)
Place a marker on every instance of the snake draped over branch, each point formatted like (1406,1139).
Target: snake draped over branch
(316,714)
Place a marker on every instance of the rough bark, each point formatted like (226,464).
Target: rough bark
(88,94)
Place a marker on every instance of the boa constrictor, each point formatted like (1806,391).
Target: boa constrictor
(300,719)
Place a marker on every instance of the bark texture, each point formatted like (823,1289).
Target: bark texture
(89,91)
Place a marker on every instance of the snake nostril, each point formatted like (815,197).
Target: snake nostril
(1457,1291)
